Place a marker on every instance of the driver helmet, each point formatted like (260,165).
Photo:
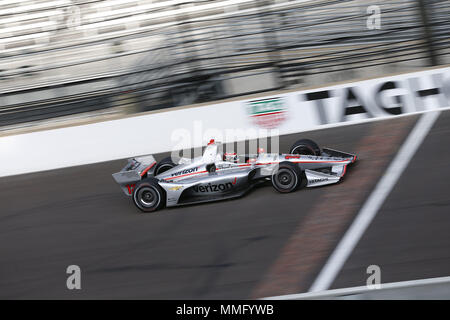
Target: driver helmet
(230,156)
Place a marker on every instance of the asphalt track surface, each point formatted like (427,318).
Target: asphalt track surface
(221,250)
(409,238)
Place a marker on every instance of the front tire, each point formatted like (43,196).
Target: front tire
(287,177)
(148,196)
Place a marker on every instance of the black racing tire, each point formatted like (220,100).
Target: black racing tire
(164,165)
(148,196)
(306,147)
(287,177)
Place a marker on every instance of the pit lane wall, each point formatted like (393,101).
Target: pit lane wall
(282,113)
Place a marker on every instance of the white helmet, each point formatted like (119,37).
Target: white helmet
(230,156)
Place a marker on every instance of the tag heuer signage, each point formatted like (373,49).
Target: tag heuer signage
(267,113)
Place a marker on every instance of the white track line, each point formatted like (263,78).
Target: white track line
(374,202)
(362,289)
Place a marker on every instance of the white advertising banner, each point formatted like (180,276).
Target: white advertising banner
(353,102)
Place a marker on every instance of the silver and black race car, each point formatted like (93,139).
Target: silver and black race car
(216,175)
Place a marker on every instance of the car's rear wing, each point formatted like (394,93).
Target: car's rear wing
(327,152)
(135,169)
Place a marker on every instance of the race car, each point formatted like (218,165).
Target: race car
(216,175)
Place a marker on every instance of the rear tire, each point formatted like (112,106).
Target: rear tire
(287,178)
(306,147)
(148,196)
(164,165)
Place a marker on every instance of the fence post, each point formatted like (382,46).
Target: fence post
(270,39)
(428,32)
